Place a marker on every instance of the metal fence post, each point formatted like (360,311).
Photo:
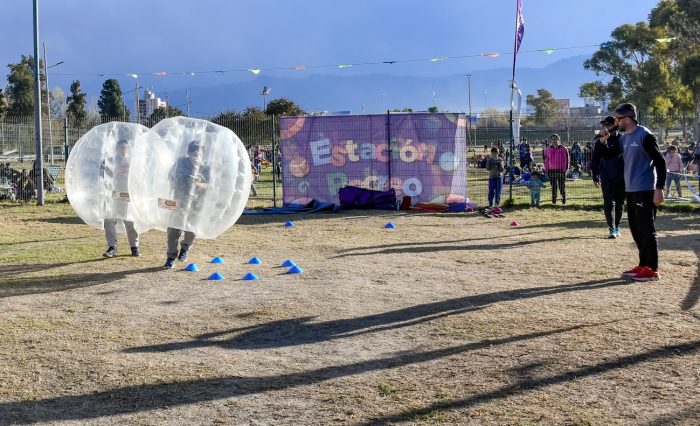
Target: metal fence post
(65,139)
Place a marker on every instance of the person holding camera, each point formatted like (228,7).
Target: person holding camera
(608,169)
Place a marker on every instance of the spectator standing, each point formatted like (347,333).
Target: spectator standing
(494,165)
(556,164)
(674,168)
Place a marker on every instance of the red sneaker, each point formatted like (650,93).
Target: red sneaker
(634,271)
(646,274)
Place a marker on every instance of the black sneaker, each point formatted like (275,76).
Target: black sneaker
(169,263)
(111,252)
(135,252)
(182,257)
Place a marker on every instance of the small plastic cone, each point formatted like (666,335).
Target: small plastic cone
(295,270)
(215,277)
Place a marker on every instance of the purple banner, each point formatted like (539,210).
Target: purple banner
(418,154)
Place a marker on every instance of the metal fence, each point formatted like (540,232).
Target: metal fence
(577,134)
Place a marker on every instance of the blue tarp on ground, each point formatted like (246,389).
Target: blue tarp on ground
(313,206)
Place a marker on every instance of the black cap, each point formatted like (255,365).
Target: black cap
(608,120)
(627,110)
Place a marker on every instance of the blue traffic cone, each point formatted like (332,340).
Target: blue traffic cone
(390,225)
(217,260)
(288,223)
(192,268)
(288,263)
(254,261)
(295,270)
(249,277)
(215,277)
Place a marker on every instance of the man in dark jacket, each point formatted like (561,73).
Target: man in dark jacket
(609,173)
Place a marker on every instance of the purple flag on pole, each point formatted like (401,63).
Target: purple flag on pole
(519,31)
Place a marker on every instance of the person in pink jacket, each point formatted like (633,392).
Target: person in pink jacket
(674,167)
(556,164)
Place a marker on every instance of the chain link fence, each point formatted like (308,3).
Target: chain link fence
(261,136)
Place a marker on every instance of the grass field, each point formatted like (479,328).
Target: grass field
(447,319)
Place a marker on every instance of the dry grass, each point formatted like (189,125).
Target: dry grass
(448,319)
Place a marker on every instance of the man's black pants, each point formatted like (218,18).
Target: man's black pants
(613,200)
(641,213)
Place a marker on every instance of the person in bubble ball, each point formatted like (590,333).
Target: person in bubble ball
(189,180)
(117,168)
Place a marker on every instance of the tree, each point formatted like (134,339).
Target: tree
(283,106)
(433,109)
(57,102)
(20,87)
(491,117)
(544,104)
(690,76)
(642,69)
(111,104)
(76,103)
(254,113)
(3,103)
(164,112)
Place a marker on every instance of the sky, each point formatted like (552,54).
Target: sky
(144,37)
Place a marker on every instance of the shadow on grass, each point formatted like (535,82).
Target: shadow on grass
(63,220)
(439,248)
(146,397)
(21,286)
(301,331)
(48,240)
(529,384)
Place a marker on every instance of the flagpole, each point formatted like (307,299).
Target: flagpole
(516,46)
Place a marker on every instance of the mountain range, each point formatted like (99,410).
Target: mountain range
(373,93)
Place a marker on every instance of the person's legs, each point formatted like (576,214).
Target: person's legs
(111,232)
(131,234)
(619,198)
(633,220)
(499,189)
(553,184)
(185,245)
(608,203)
(562,186)
(492,190)
(648,244)
(668,184)
(677,180)
(173,237)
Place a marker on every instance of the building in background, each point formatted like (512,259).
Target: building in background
(150,103)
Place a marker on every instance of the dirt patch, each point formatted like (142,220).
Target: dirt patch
(449,318)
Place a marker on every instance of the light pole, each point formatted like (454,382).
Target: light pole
(48,100)
(39,156)
(265,92)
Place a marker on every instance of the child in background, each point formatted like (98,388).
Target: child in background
(535,184)
(494,166)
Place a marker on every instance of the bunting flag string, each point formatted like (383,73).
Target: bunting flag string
(259,70)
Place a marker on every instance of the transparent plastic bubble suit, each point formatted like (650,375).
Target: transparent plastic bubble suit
(193,175)
(98,172)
